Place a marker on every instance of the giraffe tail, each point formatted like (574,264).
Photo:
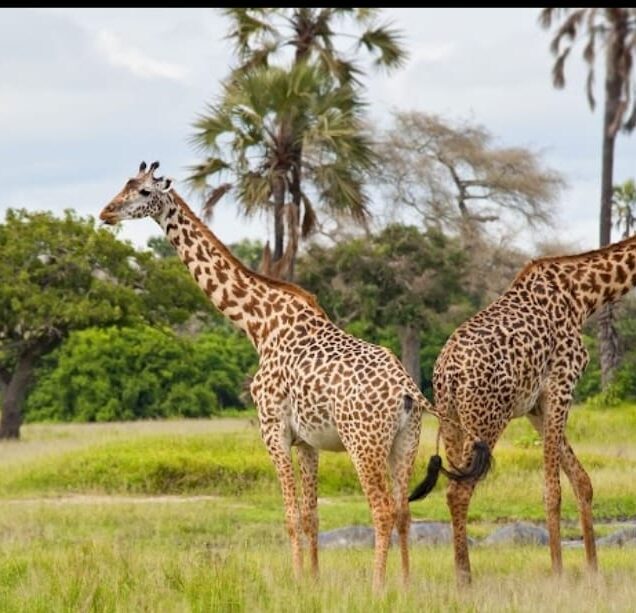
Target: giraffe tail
(481,463)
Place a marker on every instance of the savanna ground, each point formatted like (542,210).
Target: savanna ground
(187,516)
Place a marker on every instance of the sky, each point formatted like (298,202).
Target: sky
(86,94)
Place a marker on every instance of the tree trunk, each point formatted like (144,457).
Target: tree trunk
(296,194)
(607,335)
(279,219)
(410,352)
(14,395)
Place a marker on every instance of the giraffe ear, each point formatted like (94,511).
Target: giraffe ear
(167,184)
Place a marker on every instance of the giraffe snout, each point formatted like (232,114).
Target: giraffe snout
(109,215)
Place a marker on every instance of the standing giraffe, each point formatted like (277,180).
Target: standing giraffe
(522,355)
(316,387)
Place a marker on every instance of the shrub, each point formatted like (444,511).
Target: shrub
(139,373)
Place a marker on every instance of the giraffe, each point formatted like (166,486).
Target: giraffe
(522,356)
(316,387)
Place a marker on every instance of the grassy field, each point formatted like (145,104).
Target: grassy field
(187,516)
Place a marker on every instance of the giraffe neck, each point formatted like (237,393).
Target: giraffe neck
(254,303)
(592,279)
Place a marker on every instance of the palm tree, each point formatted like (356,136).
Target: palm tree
(258,33)
(624,206)
(614,29)
(261,33)
(264,116)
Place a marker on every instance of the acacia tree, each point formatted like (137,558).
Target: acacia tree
(258,34)
(457,178)
(59,275)
(400,277)
(614,29)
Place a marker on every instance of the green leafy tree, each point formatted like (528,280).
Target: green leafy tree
(401,278)
(308,130)
(60,274)
(249,251)
(613,29)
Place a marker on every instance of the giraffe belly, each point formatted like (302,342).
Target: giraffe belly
(323,436)
(526,403)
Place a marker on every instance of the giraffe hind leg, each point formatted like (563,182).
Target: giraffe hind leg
(308,461)
(401,460)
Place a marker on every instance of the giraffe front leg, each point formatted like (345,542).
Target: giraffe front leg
(582,487)
(276,438)
(556,407)
(308,460)
(581,484)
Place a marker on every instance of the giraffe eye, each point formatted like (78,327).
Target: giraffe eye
(144,192)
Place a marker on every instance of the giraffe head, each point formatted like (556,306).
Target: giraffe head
(143,196)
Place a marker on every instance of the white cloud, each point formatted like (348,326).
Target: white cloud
(119,53)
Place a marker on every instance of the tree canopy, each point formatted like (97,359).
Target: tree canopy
(61,274)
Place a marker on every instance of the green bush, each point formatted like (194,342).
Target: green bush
(139,373)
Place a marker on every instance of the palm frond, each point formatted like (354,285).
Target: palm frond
(211,126)
(215,195)
(342,190)
(550,14)
(558,74)
(569,29)
(253,191)
(200,172)
(247,27)
(385,41)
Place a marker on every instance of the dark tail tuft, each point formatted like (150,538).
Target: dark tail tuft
(432,473)
(479,467)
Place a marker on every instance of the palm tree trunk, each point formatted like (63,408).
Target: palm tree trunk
(296,192)
(279,218)
(410,351)
(14,396)
(607,335)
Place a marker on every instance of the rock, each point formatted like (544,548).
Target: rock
(421,533)
(624,537)
(519,533)
(429,533)
(351,536)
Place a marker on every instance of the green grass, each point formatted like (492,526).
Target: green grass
(187,516)
(166,558)
(197,459)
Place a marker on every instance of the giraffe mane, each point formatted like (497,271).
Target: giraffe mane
(548,259)
(292,288)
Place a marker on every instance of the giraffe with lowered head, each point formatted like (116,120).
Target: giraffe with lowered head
(522,356)
(316,387)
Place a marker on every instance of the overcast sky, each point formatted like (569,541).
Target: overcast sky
(86,94)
